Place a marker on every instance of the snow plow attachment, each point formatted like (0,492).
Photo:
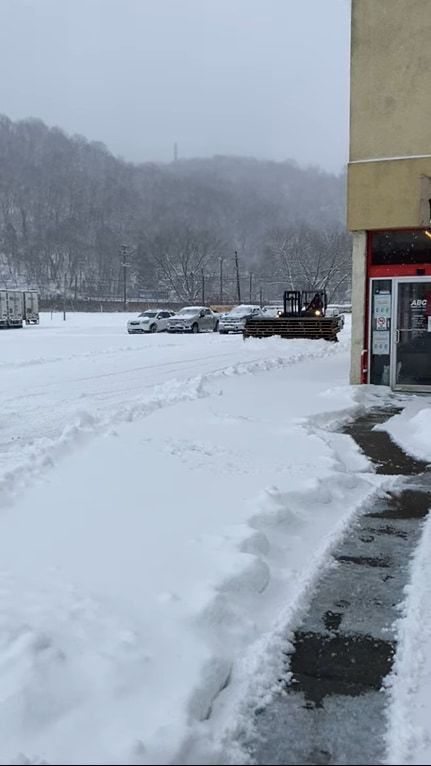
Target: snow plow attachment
(326,328)
(304,316)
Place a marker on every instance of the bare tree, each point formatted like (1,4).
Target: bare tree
(180,255)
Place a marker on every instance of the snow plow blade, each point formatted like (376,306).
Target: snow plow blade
(294,327)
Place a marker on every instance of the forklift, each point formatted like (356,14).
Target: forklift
(303,316)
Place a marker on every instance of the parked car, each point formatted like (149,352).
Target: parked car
(150,321)
(272,311)
(334,311)
(234,321)
(194,319)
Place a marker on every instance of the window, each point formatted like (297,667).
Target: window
(380,318)
(397,247)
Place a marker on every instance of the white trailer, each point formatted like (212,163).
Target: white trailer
(15,308)
(31,307)
(3,309)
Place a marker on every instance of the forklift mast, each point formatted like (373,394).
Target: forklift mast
(292,303)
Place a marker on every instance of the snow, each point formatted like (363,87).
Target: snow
(411,428)
(64,381)
(409,716)
(168,504)
(409,731)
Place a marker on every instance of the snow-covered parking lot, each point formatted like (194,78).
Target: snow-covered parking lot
(168,503)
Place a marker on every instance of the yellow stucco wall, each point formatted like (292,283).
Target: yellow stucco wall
(390,117)
(390,114)
(390,85)
(391,194)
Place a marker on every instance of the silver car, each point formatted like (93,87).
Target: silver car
(194,319)
(234,321)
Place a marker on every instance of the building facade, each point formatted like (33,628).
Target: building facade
(389,192)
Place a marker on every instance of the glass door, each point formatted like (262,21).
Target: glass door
(411,360)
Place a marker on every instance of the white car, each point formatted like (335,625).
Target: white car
(150,321)
(234,321)
(333,311)
(194,319)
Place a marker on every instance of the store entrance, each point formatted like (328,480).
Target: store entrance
(411,357)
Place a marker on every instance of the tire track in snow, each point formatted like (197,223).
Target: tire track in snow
(42,453)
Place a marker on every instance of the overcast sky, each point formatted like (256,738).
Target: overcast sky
(267,78)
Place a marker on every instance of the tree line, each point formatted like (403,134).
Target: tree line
(75,219)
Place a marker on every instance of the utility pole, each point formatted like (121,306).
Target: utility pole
(238,285)
(64,298)
(123,253)
(250,286)
(203,287)
(221,280)
(261,296)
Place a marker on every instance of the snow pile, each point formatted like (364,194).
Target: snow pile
(411,429)
(409,719)
(409,731)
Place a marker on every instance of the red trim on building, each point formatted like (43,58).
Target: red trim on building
(400,270)
(385,272)
(364,366)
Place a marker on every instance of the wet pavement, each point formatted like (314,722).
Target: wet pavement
(332,707)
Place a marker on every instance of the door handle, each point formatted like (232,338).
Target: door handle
(397,336)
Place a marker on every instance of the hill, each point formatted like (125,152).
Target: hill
(67,206)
